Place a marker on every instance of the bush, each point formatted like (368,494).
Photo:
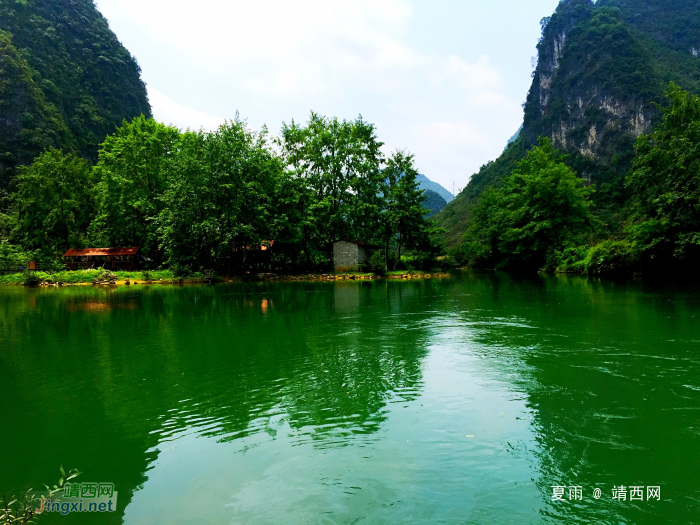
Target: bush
(612,258)
(570,260)
(377,264)
(473,254)
(181,271)
(30,278)
(447,262)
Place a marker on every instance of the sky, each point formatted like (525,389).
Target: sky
(442,79)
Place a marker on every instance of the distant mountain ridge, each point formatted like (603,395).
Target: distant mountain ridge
(602,68)
(427,184)
(434,203)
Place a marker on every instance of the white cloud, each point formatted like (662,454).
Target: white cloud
(280,47)
(170,112)
(275,60)
(439,136)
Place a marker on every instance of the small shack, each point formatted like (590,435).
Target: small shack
(107,258)
(349,254)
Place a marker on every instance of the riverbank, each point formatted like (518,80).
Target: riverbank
(164,277)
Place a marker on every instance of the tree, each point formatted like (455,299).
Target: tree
(132,176)
(339,162)
(665,181)
(540,208)
(221,198)
(53,205)
(403,219)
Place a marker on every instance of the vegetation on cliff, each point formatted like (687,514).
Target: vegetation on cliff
(67,81)
(602,71)
(541,216)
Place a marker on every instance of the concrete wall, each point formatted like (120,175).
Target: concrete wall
(348,255)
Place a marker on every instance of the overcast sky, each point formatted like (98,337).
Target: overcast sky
(444,79)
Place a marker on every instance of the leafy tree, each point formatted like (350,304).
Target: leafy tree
(132,176)
(403,220)
(539,209)
(665,181)
(53,205)
(221,198)
(339,163)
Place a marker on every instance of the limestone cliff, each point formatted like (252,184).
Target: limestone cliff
(602,68)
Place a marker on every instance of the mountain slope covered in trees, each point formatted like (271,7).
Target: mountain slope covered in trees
(602,68)
(66,81)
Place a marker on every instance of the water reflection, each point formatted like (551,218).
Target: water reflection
(611,372)
(217,362)
(384,401)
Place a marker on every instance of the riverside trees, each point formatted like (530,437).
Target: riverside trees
(202,200)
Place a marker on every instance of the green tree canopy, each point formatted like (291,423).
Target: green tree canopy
(132,176)
(541,208)
(53,205)
(402,220)
(222,198)
(665,180)
(340,163)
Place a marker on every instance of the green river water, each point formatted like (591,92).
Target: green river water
(462,400)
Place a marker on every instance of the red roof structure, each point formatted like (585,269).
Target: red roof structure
(100,252)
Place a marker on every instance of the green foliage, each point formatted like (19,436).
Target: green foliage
(11,254)
(21,510)
(540,209)
(132,175)
(221,199)
(28,122)
(53,204)
(225,201)
(402,220)
(377,263)
(612,258)
(80,67)
(339,163)
(569,260)
(30,278)
(665,182)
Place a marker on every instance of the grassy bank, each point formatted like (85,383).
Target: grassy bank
(166,276)
(82,277)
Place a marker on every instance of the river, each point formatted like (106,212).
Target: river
(476,399)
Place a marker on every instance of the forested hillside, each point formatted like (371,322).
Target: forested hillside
(602,68)
(66,81)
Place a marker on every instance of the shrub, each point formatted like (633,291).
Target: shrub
(181,271)
(30,278)
(377,264)
(612,258)
(570,260)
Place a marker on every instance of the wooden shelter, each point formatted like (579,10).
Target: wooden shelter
(107,258)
